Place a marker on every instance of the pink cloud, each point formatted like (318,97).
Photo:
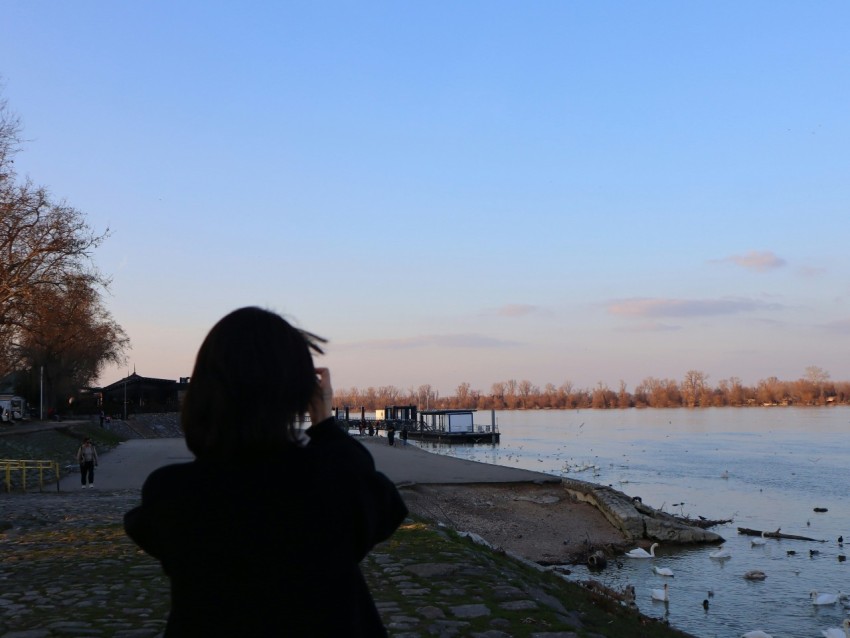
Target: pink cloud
(760,261)
(516,310)
(654,326)
(438,341)
(652,307)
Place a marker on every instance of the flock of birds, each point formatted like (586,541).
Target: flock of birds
(662,594)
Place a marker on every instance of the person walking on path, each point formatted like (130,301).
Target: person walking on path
(262,534)
(404,435)
(391,434)
(87,458)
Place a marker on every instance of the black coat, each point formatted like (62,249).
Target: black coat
(270,548)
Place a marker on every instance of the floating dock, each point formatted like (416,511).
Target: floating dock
(442,426)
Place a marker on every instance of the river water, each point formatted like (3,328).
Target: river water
(764,468)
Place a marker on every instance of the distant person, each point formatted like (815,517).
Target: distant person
(262,534)
(391,434)
(404,435)
(102,418)
(87,458)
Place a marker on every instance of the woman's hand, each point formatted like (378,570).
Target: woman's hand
(321,405)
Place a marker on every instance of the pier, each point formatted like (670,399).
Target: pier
(443,426)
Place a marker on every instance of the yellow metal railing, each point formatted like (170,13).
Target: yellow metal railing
(28,465)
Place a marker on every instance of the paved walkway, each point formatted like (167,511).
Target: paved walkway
(127,465)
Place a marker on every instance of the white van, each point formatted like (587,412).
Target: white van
(12,408)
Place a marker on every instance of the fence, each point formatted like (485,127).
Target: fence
(26,467)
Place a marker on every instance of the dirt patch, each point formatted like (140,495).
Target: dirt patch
(538,522)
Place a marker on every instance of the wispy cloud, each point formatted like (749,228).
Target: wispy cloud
(654,326)
(435,341)
(516,310)
(760,261)
(657,308)
(812,271)
(841,326)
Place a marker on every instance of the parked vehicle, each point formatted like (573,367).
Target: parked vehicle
(13,408)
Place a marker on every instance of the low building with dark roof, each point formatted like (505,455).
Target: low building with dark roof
(134,394)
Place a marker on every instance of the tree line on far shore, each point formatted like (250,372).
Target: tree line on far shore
(814,388)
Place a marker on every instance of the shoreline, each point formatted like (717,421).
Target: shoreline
(544,518)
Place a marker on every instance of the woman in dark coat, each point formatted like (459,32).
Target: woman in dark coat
(261,534)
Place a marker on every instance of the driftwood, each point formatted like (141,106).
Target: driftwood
(777,534)
(701,522)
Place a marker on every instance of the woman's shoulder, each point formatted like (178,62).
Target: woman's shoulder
(169,475)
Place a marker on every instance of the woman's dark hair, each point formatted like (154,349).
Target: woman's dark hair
(252,383)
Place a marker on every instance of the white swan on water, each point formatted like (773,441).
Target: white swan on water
(759,540)
(823,599)
(661,594)
(640,552)
(720,553)
(757,633)
(663,571)
(838,632)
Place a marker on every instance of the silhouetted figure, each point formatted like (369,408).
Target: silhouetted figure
(262,534)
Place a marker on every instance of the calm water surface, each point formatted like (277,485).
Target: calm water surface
(764,468)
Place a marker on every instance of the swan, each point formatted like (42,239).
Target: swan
(758,540)
(838,632)
(757,633)
(661,594)
(640,552)
(823,599)
(720,553)
(663,571)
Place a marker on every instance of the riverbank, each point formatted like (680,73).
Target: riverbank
(427,579)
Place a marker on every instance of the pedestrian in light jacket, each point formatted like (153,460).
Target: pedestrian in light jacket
(87,458)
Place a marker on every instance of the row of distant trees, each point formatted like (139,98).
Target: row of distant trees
(55,331)
(692,391)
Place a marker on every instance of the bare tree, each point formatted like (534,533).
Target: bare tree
(526,389)
(45,252)
(624,400)
(497,391)
(693,387)
(462,395)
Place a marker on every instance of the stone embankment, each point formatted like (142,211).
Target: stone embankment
(636,520)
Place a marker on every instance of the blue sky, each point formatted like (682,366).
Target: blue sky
(457,192)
